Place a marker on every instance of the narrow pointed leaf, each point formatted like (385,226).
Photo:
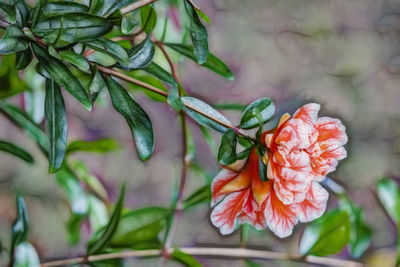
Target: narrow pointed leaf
(75,59)
(56,124)
(140,55)
(213,63)
(23,120)
(198,34)
(20,225)
(110,48)
(135,116)
(16,151)
(103,241)
(259,111)
(160,74)
(185,259)
(174,99)
(23,59)
(99,146)
(12,41)
(148,18)
(62,75)
(50,9)
(96,85)
(201,195)
(194,105)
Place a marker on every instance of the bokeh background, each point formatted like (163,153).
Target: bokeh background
(343,54)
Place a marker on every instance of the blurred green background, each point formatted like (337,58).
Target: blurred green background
(343,54)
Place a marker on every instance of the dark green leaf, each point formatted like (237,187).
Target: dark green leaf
(99,146)
(148,18)
(160,73)
(62,75)
(213,63)
(140,55)
(389,196)
(186,259)
(128,24)
(140,225)
(149,80)
(12,41)
(230,106)
(326,235)
(261,109)
(96,85)
(110,48)
(262,167)
(26,123)
(201,195)
(110,229)
(59,8)
(23,59)
(72,27)
(26,256)
(56,124)
(21,12)
(20,225)
(16,151)
(227,149)
(75,59)
(174,99)
(192,108)
(360,233)
(135,116)
(198,34)
(76,194)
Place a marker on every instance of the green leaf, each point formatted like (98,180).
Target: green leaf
(192,108)
(23,59)
(12,41)
(62,75)
(140,225)
(326,235)
(160,74)
(50,9)
(127,25)
(22,120)
(261,109)
(16,151)
(230,106)
(26,256)
(135,116)
(198,34)
(186,259)
(104,145)
(140,55)
(75,59)
(71,28)
(96,85)
(174,99)
(76,194)
(56,124)
(148,18)
(213,63)
(389,196)
(110,48)
(202,15)
(20,225)
(360,233)
(10,81)
(227,149)
(109,231)
(201,195)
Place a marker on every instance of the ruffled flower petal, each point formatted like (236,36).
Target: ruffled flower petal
(314,205)
(222,178)
(308,113)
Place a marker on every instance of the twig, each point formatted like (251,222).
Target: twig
(238,253)
(135,5)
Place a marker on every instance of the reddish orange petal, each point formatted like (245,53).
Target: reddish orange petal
(261,189)
(331,132)
(253,213)
(223,177)
(314,205)
(308,113)
(225,214)
(280,218)
(241,181)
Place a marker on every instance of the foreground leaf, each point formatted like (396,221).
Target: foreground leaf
(192,108)
(213,63)
(99,146)
(56,124)
(389,195)
(72,27)
(111,227)
(140,55)
(16,151)
(62,75)
(160,74)
(257,112)
(148,18)
(75,59)
(20,225)
(135,116)
(186,259)
(26,256)
(110,48)
(227,149)
(12,41)
(198,34)
(23,59)
(326,235)
(22,120)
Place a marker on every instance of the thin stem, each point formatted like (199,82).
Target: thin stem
(135,5)
(238,253)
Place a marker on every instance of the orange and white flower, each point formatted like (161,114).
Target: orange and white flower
(302,150)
